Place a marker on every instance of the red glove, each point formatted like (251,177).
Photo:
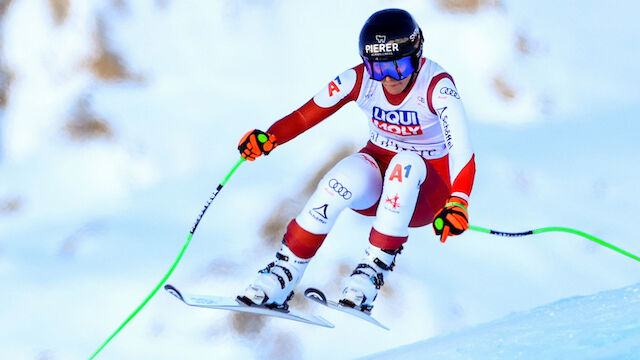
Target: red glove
(255,143)
(452,219)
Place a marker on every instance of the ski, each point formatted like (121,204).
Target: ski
(319,297)
(234,304)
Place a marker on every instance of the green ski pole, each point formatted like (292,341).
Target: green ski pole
(559,229)
(175,263)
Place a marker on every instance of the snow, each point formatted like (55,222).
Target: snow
(95,224)
(600,326)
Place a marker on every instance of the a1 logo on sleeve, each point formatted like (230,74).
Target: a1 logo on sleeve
(336,90)
(333,85)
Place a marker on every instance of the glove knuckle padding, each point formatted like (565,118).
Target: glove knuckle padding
(459,212)
(354,182)
(455,221)
(254,143)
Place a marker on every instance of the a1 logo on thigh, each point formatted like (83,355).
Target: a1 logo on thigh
(397,172)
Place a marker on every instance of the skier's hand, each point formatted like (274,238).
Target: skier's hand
(452,219)
(255,143)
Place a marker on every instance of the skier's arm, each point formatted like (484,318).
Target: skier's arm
(339,91)
(444,101)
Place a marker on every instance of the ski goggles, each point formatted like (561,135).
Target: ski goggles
(397,69)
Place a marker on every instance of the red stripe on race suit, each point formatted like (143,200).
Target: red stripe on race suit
(310,114)
(432,86)
(386,242)
(301,242)
(464,180)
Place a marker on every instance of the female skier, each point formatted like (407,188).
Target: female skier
(417,167)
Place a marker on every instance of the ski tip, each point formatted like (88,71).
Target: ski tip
(315,295)
(326,323)
(173,291)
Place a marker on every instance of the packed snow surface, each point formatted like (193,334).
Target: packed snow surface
(605,325)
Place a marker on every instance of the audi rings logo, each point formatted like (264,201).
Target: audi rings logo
(449,91)
(340,189)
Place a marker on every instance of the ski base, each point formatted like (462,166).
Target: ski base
(233,304)
(319,297)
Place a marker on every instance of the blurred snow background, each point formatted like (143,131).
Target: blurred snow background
(119,118)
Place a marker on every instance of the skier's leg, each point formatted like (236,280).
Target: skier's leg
(355,182)
(406,172)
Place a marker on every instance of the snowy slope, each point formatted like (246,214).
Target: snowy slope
(605,325)
(89,225)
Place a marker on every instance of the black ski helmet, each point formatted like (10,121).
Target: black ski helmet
(391,34)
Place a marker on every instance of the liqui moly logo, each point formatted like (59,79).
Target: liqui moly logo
(398,122)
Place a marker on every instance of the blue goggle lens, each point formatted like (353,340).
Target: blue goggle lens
(397,69)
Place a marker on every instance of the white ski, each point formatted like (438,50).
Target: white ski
(233,304)
(319,297)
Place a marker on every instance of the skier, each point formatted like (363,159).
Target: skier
(417,167)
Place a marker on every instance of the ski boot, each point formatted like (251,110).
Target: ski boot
(368,277)
(273,287)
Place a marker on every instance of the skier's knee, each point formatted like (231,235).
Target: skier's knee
(354,182)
